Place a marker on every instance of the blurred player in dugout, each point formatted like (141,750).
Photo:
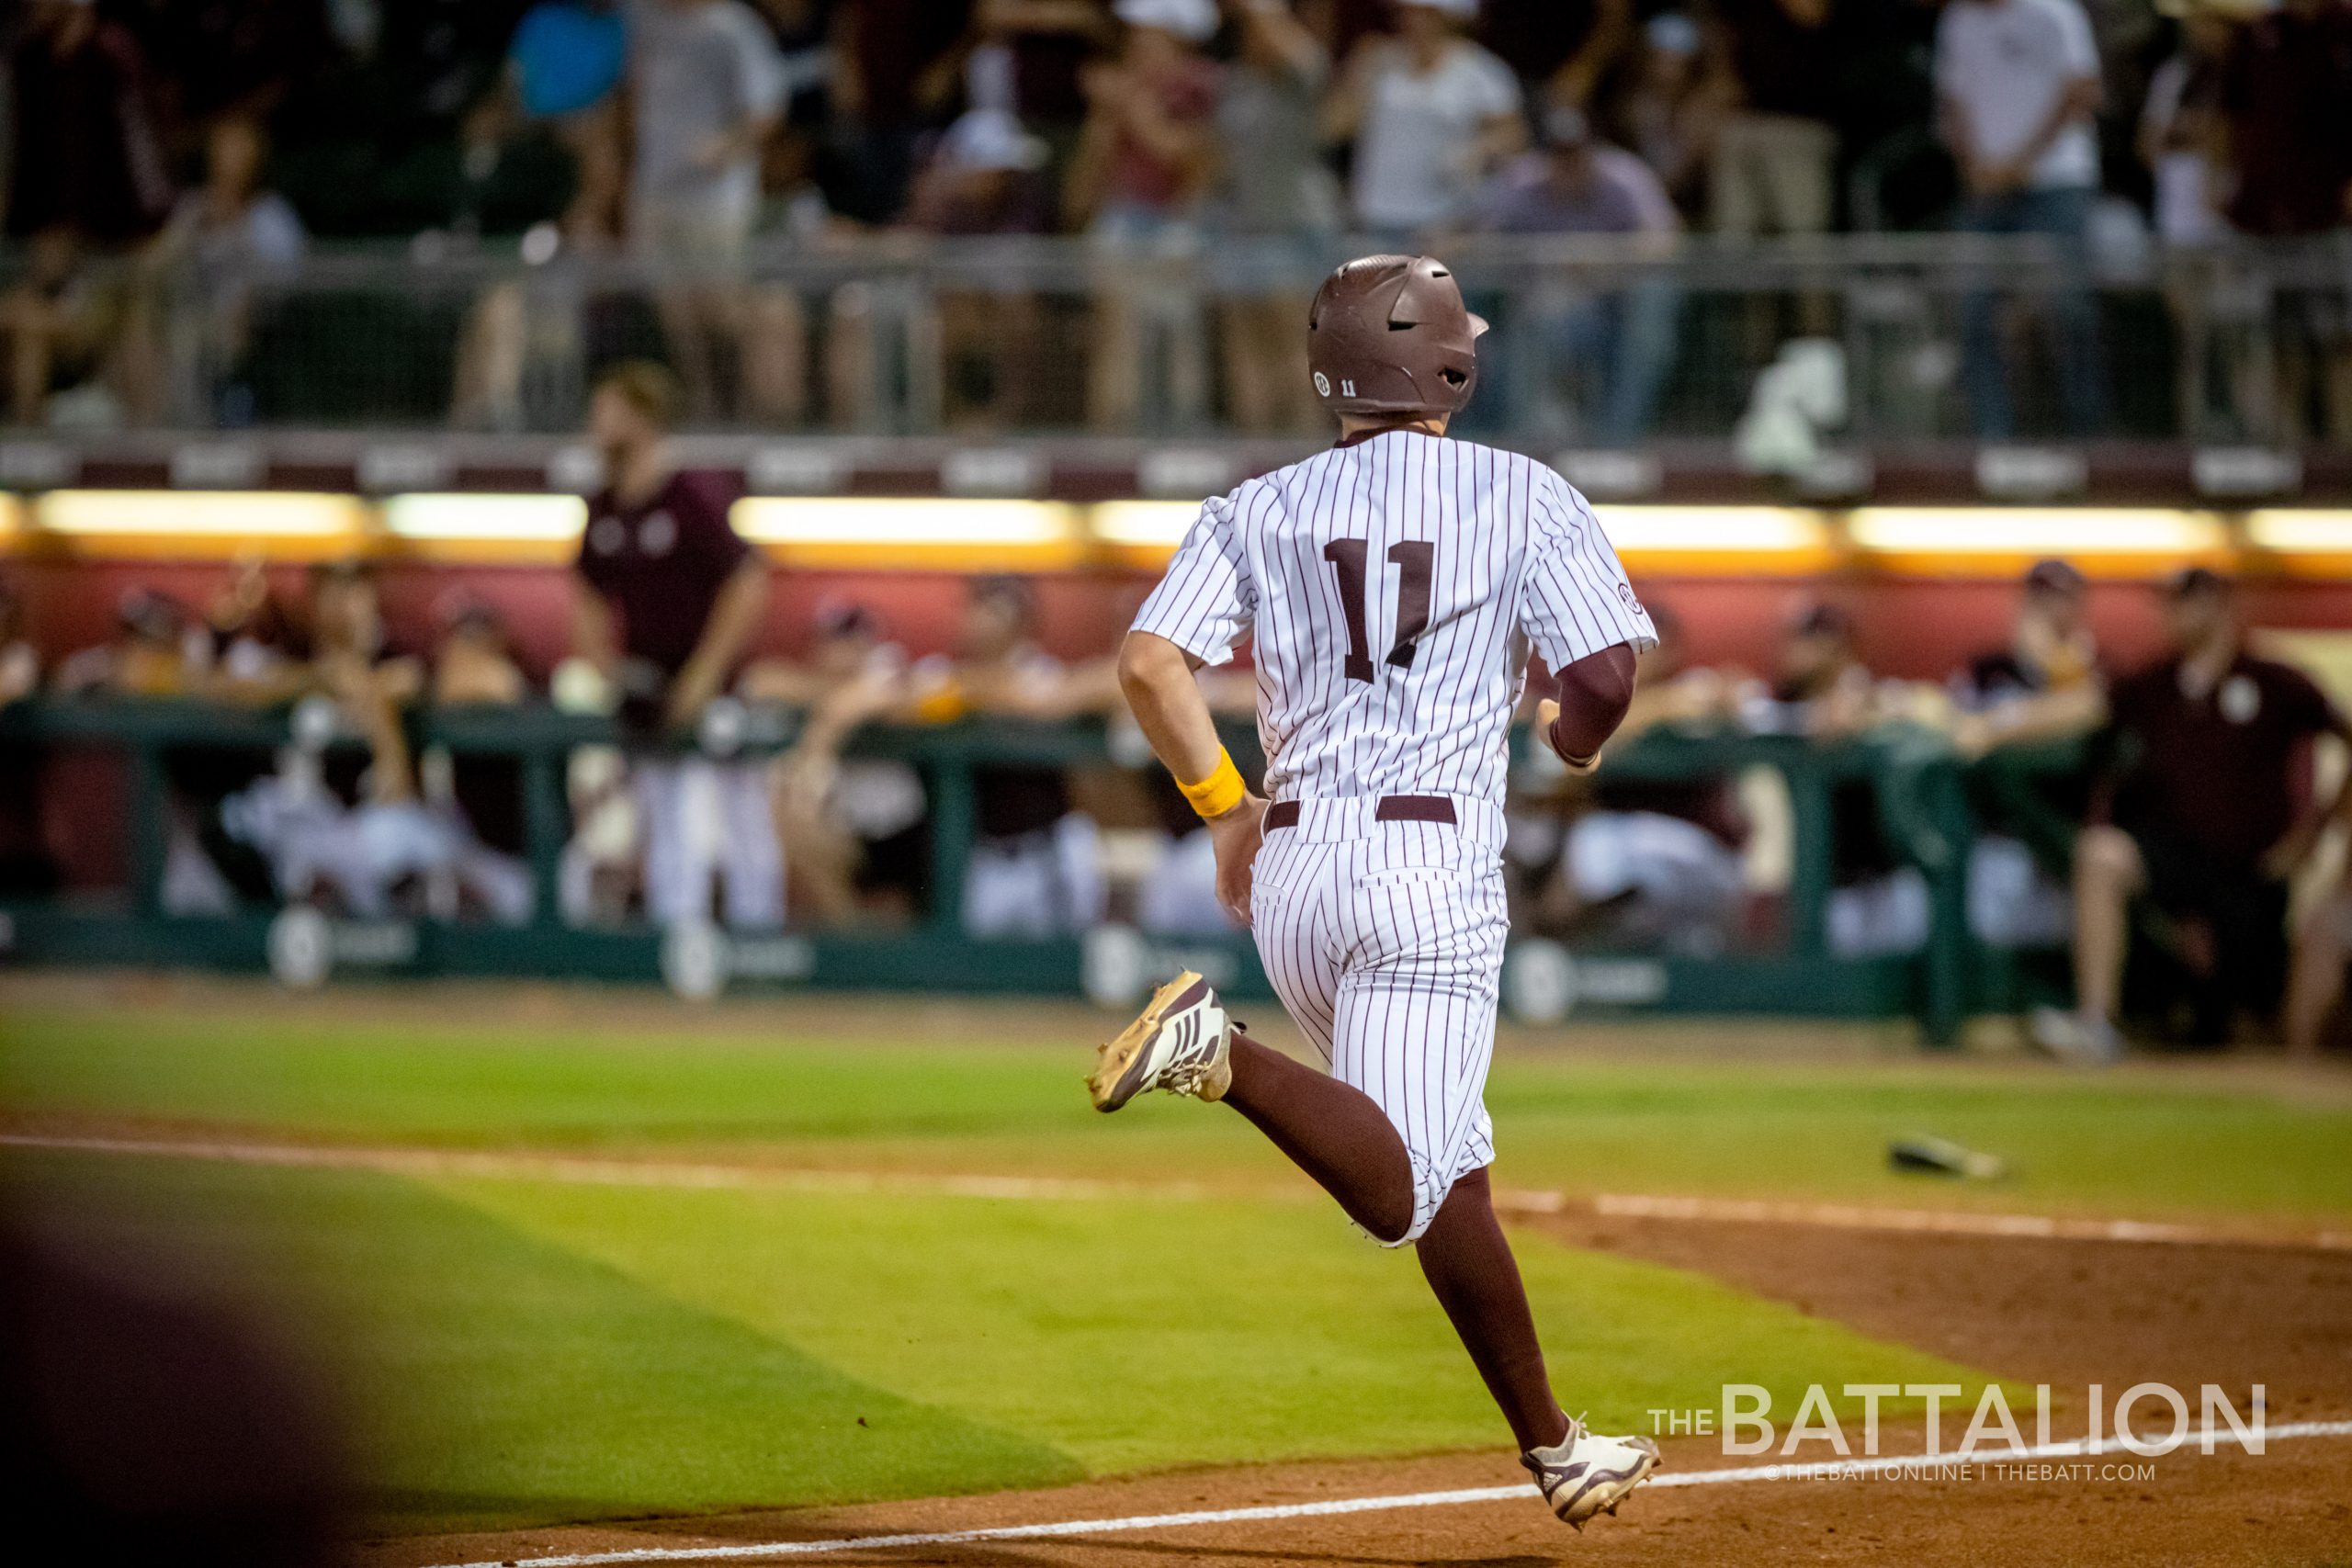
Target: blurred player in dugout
(668,600)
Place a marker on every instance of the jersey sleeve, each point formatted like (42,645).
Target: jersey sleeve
(1574,599)
(1207,602)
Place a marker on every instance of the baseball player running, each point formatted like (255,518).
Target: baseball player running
(1396,585)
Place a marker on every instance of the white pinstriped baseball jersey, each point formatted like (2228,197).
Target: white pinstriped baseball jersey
(1394,587)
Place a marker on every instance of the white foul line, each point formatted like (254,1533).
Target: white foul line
(1903,1464)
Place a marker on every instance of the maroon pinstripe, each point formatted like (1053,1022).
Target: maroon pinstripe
(1384,939)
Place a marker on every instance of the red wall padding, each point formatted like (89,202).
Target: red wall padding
(1920,628)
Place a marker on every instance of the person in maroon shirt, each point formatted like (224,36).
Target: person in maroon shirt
(2208,814)
(670,598)
(2287,97)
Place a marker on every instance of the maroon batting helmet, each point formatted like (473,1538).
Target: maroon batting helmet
(1390,335)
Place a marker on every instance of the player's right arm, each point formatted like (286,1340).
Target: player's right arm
(1156,677)
(1206,604)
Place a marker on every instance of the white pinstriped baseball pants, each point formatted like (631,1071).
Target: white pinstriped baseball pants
(1384,940)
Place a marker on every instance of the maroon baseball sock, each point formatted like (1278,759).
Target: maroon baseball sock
(1469,1265)
(1329,1130)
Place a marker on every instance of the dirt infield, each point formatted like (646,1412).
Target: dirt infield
(2066,1313)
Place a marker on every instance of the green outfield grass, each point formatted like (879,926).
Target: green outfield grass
(518,1350)
(2138,1144)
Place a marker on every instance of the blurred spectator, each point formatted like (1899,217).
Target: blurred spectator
(2287,84)
(986,177)
(1035,870)
(1770,171)
(2184,139)
(84,154)
(1277,210)
(352,662)
(2184,133)
(668,602)
(222,240)
(2209,815)
(852,828)
(1431,115)
(479,796)
(392,837)
(1143,163)
(793,205)
(895,66)
(473,664)
(1878,902)
(2291,140)
(707,91)
(1823,688)
(158,651)
(1577,184)
(1882,65)
(260,653)
(232,230)
(80,339)
(548,184)
(2045,684)
(1637,862)
(255,653)
(371,140)
(566,62)
(1033,58)
(1673,107)
(2019,86)
(1561,51)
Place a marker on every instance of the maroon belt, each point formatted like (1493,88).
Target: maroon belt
(1392,808)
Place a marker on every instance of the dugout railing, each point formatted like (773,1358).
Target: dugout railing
(1918,790)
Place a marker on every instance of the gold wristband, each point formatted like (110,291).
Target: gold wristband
(1220,792)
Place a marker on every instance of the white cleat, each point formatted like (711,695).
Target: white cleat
(1585,1474)
(1181,1044)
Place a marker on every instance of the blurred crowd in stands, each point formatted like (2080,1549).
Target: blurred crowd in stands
(693,135)
(2164,811)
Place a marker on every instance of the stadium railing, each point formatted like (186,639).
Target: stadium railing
(893,334)
(1918,787)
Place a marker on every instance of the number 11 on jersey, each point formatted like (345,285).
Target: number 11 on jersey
(1416,563)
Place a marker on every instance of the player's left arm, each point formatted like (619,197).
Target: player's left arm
(1584,620)
(1593,697)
